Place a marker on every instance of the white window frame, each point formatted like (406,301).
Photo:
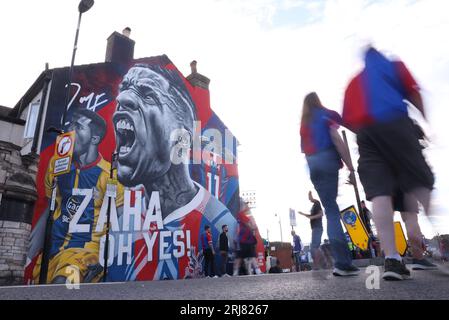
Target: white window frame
(30,125)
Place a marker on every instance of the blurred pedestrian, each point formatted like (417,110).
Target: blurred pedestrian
(326,250)
(247,241)
(410,218)
(324,149)
(390,153)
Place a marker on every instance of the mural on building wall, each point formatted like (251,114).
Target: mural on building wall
(176,172)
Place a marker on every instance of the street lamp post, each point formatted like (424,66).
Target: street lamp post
(280,226)
(83,6)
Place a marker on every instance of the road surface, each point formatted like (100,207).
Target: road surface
(314,285)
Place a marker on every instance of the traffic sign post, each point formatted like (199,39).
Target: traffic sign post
(63,153)
(292,215)
(111,192)
(356,230)
(63,156)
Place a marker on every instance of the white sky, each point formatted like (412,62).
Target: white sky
(262,56)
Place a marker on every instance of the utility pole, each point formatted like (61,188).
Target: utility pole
(108,220)
(83,7)
(356,189)
(280,226)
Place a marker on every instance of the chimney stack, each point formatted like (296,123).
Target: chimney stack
(193,66)
(196,79)
(127,32)
(120,48)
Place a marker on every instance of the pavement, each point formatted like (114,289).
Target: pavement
(313,285)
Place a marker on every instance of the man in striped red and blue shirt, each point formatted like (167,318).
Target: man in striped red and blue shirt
(375,108)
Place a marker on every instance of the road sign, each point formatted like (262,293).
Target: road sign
(292,218)
(63,153)
(111,188)
(401,241)
(356,230)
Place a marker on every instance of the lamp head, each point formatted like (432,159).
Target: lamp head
(85,5)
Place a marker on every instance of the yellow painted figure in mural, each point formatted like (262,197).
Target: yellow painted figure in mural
(77,248)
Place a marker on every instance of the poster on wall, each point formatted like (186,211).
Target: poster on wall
(176,172)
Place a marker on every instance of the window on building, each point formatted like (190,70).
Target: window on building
(30,125)
(16,210)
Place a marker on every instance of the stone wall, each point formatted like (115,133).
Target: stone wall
(14,237)
(17,197)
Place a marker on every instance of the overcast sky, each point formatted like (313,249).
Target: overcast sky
(262,56)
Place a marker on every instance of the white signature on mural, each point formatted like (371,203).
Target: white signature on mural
(92,101)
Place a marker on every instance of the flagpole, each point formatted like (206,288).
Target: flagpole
(356,188)
(354,183)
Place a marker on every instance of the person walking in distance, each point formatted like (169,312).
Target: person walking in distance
(297,247)
(375,108)
(224,250)
(316,224)
(324,149)
(208,253)
(247,241)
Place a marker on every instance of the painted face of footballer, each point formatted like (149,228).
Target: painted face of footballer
(141,123)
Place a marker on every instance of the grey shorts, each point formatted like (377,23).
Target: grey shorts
(317,233)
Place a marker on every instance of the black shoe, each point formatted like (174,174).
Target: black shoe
(346,272)
(395,270)
(423,264)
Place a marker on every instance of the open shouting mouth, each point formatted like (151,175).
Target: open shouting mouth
(125,134)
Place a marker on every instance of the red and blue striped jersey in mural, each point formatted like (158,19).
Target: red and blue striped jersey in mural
(315,135)
(377,94)
(220,179)
(165,261)
(95,174)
